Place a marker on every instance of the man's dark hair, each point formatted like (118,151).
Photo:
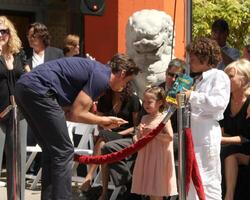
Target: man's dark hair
(41,31)
(220,25)
(205,49)
(123,62)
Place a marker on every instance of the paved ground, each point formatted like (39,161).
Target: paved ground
(93,194)
(29,194)
(33,194)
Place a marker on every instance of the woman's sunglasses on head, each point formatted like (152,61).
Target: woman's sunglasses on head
(4,31)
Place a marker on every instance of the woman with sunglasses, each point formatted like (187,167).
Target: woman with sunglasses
(12,66)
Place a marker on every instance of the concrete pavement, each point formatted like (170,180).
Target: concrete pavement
(35,194)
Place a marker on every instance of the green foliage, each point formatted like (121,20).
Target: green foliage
(235,12)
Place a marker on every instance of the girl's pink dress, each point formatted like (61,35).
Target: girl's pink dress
(154,171)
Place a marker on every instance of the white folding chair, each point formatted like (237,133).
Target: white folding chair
(34,150)
(81,149)
(85,146)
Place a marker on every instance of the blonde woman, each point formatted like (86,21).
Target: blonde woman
(12,66)
(236,124)
(71,45)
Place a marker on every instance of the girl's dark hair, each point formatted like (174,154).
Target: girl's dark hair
(160,94)
(123,62)
(41,31)
(205,49)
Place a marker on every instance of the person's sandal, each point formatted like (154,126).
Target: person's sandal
(86,185)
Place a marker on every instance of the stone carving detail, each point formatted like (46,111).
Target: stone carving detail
(148,42)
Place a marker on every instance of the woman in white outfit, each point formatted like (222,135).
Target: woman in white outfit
(208,101)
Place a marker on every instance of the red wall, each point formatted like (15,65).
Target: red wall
(105,35)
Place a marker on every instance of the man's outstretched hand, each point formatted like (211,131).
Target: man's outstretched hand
(111,122)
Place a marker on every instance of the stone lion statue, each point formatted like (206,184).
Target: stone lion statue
(148,42)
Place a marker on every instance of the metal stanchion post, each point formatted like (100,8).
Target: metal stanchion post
(16,156)
(181,145)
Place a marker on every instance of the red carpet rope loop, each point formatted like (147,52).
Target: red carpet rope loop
(192,169)
(116,156)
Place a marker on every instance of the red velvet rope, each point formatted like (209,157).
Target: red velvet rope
(119,155)
(192,169)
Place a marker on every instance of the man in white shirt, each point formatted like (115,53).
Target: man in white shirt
(220,32)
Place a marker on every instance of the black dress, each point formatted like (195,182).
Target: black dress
(8,78)
(128,107)
(235,126)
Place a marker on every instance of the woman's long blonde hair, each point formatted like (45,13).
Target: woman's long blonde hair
(242,67)
(14,44)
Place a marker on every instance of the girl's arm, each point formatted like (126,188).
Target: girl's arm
(139,132)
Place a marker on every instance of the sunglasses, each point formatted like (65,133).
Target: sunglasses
(173,75)
(4,31)
(34,36)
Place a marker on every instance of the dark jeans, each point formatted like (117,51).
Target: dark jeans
(47,121)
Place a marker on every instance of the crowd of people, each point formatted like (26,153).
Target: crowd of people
(51,86)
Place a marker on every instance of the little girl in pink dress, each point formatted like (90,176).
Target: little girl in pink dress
(154,171)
